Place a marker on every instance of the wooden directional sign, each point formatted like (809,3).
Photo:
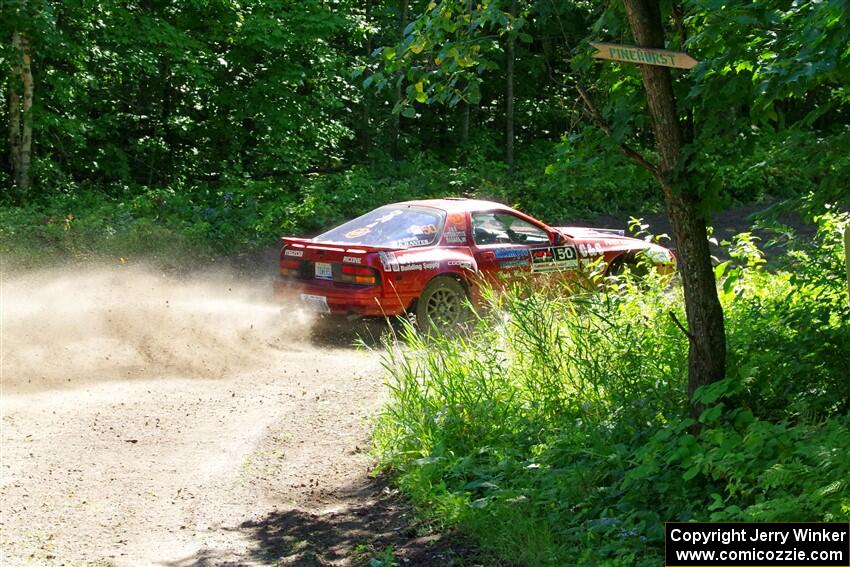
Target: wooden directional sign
(632,54)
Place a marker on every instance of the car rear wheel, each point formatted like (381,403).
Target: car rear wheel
(443,306)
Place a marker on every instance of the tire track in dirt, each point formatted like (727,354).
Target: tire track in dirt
(155,472)
(158,421)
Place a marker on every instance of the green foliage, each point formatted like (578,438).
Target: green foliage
(144,94)
(269,100)
(559,427)
(765,110)
(385,559)
(799,311)
(172,224)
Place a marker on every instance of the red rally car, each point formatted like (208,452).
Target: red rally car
(426,257)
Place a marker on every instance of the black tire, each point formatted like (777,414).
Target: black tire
(443,306)
(620,263)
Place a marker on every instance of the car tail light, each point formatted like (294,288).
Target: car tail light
(290,267)
(358,275)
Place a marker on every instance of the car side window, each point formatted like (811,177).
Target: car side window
(504,228)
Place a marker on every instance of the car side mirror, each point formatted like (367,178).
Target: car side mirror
(558,238)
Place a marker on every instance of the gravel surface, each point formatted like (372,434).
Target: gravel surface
(152,421)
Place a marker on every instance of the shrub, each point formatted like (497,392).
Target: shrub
(557,431)
(235,214)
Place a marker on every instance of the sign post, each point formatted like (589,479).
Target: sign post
(644,55)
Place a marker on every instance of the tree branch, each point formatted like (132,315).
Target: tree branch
(627,150)
(681,327)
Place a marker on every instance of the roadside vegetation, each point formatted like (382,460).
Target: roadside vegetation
(558,431)
(181,131)
(195,221)
(171,225)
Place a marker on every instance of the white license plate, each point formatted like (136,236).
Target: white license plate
(318,303)
(324,271)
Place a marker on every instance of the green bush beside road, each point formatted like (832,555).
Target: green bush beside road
(175,224)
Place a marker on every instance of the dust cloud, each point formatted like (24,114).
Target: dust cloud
(67,327)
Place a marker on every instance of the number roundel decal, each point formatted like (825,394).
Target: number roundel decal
(553,258)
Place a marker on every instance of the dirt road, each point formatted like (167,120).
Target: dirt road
(148,421)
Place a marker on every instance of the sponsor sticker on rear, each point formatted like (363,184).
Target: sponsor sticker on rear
(358,232)
(410,242)
(415,267)
(424,229)
(294,253)
(352,259)
(388,261)
(463,264)
(455,235)
(393,263)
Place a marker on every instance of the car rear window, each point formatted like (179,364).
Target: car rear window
(395,226)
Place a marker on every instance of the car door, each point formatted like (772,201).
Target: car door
(507,246)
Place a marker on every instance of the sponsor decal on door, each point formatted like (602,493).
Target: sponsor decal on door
(554,258)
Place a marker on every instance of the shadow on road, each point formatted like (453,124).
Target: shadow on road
(375,520)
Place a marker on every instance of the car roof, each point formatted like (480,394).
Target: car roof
(458,204)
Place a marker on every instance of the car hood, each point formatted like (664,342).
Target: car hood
(585,232)
(614,239)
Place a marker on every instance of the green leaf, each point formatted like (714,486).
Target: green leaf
(710,393)
(691,472)
(711,414)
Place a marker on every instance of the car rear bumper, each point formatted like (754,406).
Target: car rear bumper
(340,300)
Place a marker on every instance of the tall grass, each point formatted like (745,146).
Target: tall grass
(556,432)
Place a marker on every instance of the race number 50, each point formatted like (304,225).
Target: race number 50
(564,253)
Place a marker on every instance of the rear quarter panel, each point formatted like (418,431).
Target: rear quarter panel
(407,272)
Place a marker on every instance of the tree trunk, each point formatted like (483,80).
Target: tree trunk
(847,257)
(464,125)
(20,112)
(26,116)
(707,352)
(509,98)
(20,115)
(395,126)
(15,112)
(161,171)
(464,120)
(365,140)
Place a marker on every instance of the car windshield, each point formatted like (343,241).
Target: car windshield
(393,225)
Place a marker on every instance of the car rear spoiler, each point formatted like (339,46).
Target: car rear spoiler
(335,246)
